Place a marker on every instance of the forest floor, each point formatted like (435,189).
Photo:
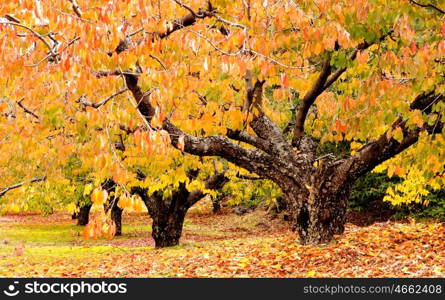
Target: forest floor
(225,245)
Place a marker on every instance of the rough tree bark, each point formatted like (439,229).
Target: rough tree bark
(168,214)
(216,203)
(83,216)
(316,194)
(116,216)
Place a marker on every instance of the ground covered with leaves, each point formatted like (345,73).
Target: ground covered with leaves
(225,245)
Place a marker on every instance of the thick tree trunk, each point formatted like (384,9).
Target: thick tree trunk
(116,216)
(167,230)
(318,219)
(216,203)
(83,215)
(116,211)
(319,210)
(168,216)
(168,213)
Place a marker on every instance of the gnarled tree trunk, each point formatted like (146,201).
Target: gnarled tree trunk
(168,217)
(319,214)
(168,214)
(83,215)
(316,198)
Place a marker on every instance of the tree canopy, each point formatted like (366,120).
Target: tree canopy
(163,87)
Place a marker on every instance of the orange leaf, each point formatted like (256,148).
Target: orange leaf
(2,107)
(340,127)
(284,80)
(181,144)
(99,196)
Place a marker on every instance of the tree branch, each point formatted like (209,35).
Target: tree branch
(386,147)
(185,6)
(51,50)
(185,21)
(159,61)
(429,5)
(82,100)
(17,185)
(142,99)
(268,131)
(309,99)
(19,103)
(217,145)
(324,81)
(106,73)
(363,46)
(247,138)
(76,8)
(12,18)
(248,177)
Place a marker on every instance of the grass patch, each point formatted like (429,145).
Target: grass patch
(42,234)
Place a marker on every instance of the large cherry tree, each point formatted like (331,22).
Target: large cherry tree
(261,84)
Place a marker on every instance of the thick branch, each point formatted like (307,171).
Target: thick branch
(248,177)
(309,99)
(386,147)
(429,5)
(217,145)
(185,21)
(247,138)
(106,73)
(324,81)
(142,99)
(17,185)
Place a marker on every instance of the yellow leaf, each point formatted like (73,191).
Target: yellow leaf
(397,134)
(181,143)
(417,118)
(87,190)
(72,208)
(123,202)
(99,196)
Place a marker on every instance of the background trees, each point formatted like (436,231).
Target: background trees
(264,85)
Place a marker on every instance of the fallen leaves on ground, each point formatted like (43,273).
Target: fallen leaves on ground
(220,246)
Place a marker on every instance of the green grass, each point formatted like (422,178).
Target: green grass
(42,234)
(61,234)
(135,229)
